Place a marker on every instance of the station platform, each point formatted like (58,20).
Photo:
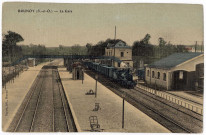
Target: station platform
(110,114)
(15,92)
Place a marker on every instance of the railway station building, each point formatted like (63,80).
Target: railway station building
(121,51)
(179,71)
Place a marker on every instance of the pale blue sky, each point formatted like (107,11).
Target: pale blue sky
(90,23)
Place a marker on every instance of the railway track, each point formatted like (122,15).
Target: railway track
(45,107)
(170,104)
(186,119)
(175,118)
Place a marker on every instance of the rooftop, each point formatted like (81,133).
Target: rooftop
(119,44)
(174,60)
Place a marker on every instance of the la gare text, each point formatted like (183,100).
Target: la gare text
(43,11)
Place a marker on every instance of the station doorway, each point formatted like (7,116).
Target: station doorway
(179,80)
(77,74)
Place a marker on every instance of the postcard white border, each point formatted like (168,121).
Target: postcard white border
(202,2)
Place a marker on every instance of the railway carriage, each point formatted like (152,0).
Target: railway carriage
(105,70)
(95,66)
(101,69)
(141,74)
(121,76)
(111,70)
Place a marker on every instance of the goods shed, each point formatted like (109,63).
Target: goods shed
(175,72)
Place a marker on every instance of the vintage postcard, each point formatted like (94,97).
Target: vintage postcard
(102,67)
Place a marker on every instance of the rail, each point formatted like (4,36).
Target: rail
(27,103)
(197,108)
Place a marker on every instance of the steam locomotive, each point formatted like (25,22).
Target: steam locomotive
(120,76)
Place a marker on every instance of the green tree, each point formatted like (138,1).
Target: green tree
(162,47)
(162,42)
(76,49)
(143,47)
(9,44)
(181,48)
(89,48)
(145,40)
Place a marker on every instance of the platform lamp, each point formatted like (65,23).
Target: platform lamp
(123,96)
(96,77)
(155,86)
(82,75)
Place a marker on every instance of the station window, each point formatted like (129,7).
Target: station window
(153,74)
(158,75)
(164,76)
(147,72)
(122,54)
(118,64)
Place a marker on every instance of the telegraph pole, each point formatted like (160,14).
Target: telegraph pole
(82,75)
(123,95)
(195,46)
(114,44)
(115,33)
(123,114)
(202,46)
(96,77)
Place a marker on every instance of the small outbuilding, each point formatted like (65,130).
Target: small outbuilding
(77,71)
(175,72)
(31,62)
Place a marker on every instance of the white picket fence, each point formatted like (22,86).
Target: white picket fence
(178,100)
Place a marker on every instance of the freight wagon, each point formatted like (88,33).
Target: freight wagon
(120,76)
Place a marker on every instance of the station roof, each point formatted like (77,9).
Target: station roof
(119,44)
(174,60)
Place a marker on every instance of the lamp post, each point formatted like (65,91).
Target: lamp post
(96,77)
(155,86)
(123,96)
(82,75)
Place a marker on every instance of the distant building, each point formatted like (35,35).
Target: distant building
(176,72)
(31,62)
(122,51)
(193,48)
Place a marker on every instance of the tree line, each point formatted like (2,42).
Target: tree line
(163,49)
(11,51)
(139,48)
